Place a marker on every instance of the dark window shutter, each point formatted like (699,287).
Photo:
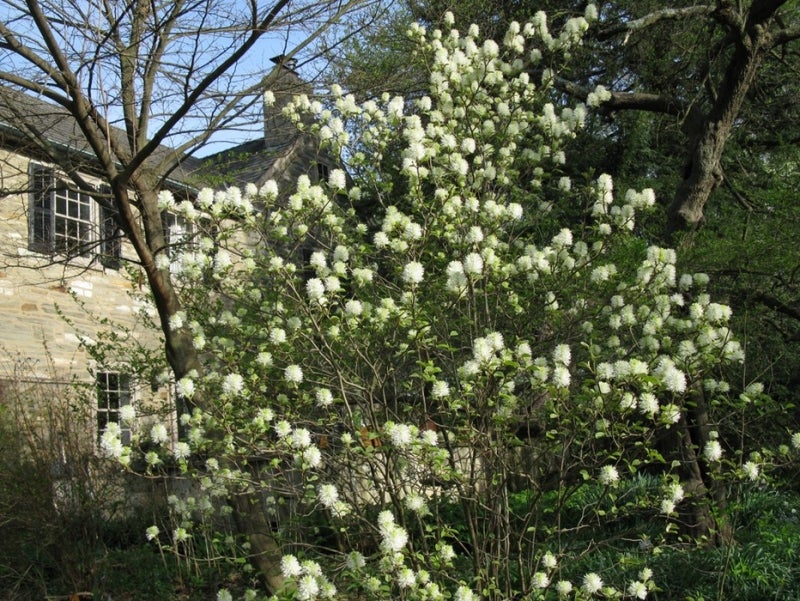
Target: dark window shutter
(40,237)
(110,233)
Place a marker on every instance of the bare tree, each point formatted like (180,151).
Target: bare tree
(146,83)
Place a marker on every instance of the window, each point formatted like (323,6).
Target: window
(113,393)
(65,220)
(178,233)
(61,216)
(176,230)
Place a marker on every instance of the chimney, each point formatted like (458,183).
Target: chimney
(284,83)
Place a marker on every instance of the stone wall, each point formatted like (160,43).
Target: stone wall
(47,305)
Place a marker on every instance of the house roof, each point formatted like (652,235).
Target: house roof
(282,154)
(24,118)
(251,162)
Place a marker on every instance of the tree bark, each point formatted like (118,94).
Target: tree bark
(709,133)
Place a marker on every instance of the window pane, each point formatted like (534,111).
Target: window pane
(113,392)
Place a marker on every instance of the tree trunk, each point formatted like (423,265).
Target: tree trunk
(706,497)
(183,358)
(251,519)
(709,133)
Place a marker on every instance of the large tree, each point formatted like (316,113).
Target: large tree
(703,69)
(148,83)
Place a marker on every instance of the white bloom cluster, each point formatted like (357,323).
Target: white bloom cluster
(712,452)
(598,96)
(232,385)
(393,537)
(592,583)
(111,441)
(608,475)
(309,578)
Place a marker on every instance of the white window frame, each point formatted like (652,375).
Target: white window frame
(114,390)
(64,220)
(178,233)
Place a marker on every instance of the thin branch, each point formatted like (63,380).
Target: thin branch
(620,101)
(202,86)
(228,112)
(665,14)
(784,36)
(778,305)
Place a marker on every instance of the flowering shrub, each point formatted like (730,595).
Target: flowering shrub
(449,396)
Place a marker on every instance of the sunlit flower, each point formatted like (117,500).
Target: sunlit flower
(283,428)
(592,583)
(301,438)
(337,179)
(406,578)
(315,289)
(159,434)
(293,374)
(648,404)
(127,413)
(327,494)
(353,308)
(312,456)
(608,475)
(181,451)
(637,589)
(473,264)
(290,566)
(464,594)
(277,335)
(563,588)
(751,470)
(400,434)
(440,389)
(394,539)
(355,560)
(549,561)
(561,376)
(324,397)
(307,587)
(413,273)
(676,492)
(712,451)
(416,503)
(562,354)
(233,384)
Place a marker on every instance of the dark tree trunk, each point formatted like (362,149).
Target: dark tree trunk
(708,133)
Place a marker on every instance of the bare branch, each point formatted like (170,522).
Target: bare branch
(784,36)
(621,101)
(789,310)
(665,14)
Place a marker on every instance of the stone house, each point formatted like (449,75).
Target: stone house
(66,271)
